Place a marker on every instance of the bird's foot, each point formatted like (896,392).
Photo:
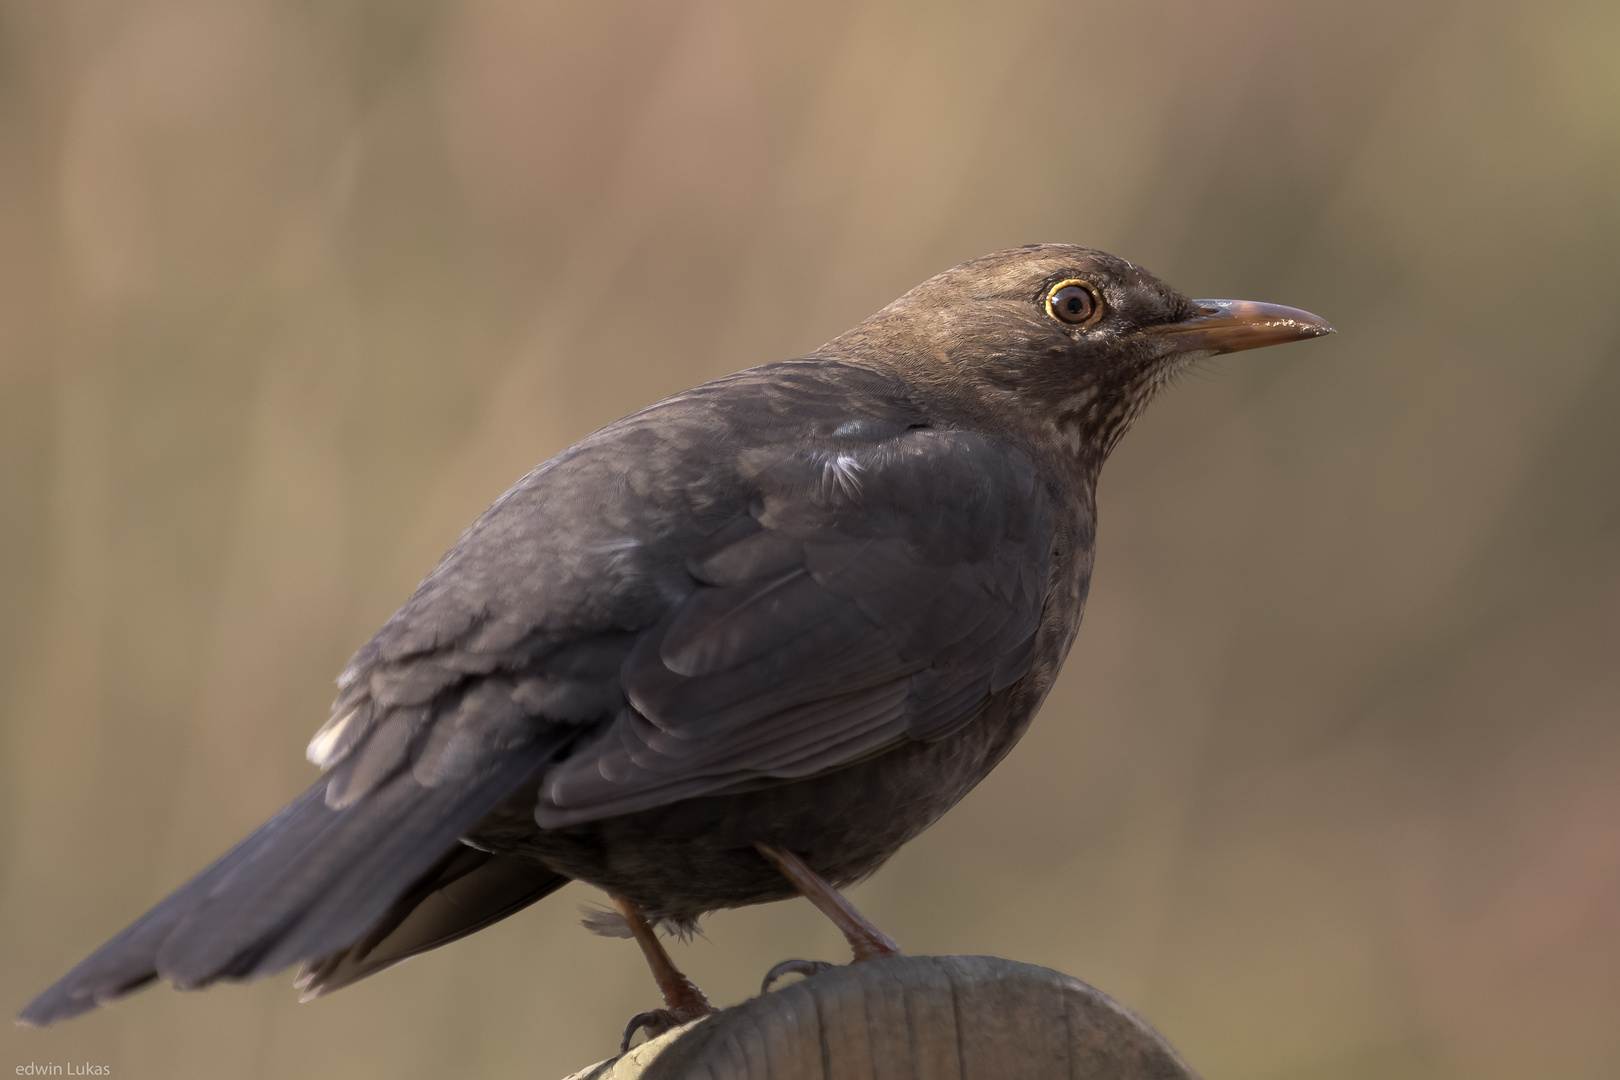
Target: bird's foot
(806,968)
(659,1021)
(683,1001)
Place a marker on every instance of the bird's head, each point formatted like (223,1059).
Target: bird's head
(1071,341)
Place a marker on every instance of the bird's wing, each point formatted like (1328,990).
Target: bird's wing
(770,576)
(700,606)
(872,594)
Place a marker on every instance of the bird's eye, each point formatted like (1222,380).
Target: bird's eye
(1073,302)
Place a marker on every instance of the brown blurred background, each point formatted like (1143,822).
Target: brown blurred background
(1330,788)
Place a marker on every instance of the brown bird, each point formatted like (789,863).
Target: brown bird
(742,644)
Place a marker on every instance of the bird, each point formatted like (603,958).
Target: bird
(736,647)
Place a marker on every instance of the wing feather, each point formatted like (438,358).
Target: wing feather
(816,634)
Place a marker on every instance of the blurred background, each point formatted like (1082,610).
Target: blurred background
(1330,787)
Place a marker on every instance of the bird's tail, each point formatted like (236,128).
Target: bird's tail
(308,885)
(461,894)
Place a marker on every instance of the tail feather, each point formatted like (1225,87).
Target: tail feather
(464,892)
(307,883)
(128,961)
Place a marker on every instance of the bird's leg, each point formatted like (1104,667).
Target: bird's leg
(683,1001)
(866,941)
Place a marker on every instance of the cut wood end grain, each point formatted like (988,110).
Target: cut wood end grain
(928,1017)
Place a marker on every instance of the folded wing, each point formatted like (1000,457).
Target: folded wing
(871,595)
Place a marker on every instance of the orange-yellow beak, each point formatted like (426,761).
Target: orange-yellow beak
(1224,326)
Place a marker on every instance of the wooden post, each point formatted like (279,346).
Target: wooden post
(921,1017)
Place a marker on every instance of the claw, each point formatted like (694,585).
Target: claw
(655,1023)
(806,968)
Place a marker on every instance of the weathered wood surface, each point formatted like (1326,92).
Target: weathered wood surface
(926,1017)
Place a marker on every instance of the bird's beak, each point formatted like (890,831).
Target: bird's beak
(1224,326)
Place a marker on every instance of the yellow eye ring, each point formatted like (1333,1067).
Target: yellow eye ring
(1074,302)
